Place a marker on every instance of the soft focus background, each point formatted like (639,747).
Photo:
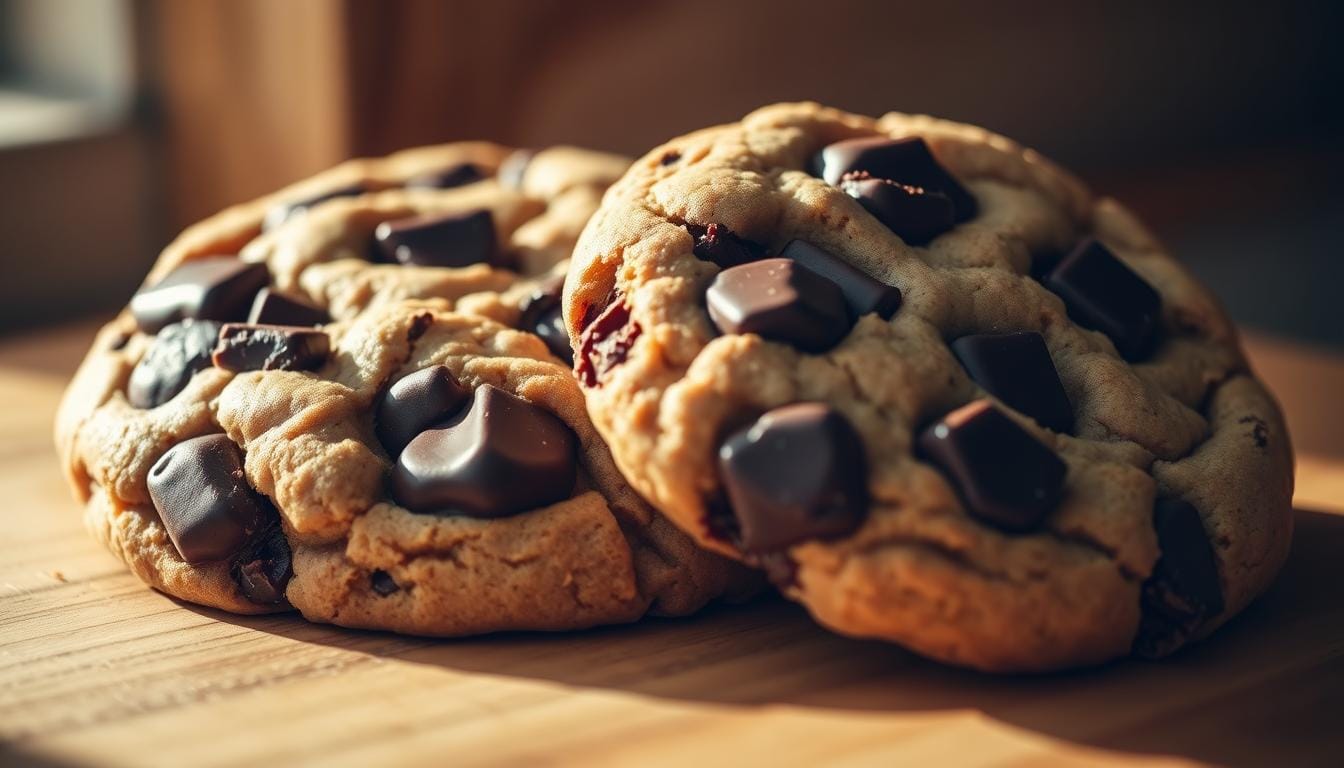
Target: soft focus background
(122,121)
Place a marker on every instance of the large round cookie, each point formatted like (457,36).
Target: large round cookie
(240,434)
(942,393)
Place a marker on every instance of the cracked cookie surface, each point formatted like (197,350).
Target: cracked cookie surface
(697,293)
(184,391)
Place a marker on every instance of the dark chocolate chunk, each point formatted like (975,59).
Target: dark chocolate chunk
(502,456)
(282,212)
(211,288)
(541,314)
(915,214)
(605,343)
(245,347)
(863,293)
(264,568)
(1103,294)
(797,473)
(381,582)
(272,307)
(178,352)
(444,240)
(416,402)
(1017,369)
(446,178)
(1183,590)
(780,300)
(514,168)
(907,161)
(203,498)
(717,244)
(1006,477)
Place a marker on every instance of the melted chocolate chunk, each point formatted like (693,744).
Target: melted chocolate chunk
(1184,590)
(382,583)
(282,212)
(502,456)
(178,352)
(443,240)
(1006,477)
(541,314)
(906,161)
(446,178)
(416,402)
(1103,294)
(915,214)
(263,570)
(244,347)
(1017,369)
(272,307)
(717,244)
(798,473)
(605,343)
(210,288)
(863,293)
(780,300)
(204,501)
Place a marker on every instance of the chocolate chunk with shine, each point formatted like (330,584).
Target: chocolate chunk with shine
(272,307)
(446,178)
(780,300)
(263,570)
(382,583)
(415,402)
(863,293)
(178,352)
(203,499)
(1183,590)
(211,288)
(915,214)
(798,473)
(1006,477)
(1017,369)
(1103,294)
(502,456)
(718,245)
(541,315)
(245,347)
(907,161)
(281,212)
(606,343)
(441,240)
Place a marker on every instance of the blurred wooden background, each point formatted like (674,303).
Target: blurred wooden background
(1221,122)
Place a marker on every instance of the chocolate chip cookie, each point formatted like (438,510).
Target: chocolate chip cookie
(317,402)
(940,392)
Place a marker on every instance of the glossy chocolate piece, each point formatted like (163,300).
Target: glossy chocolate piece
(281,212)
(863,293)
(915,214)
(780,300)
(210,288)
(541,315)
(458,175)
(245,347)
(718,244)
(1006,477)
(203,499)
(1103,294)
(606,343)
(441,240)
(907,161)
(178,352)
(501,456)
(263,570)
(798,473)
(272,307)
(415,402)
(1017,369)
(1184,589)
(382,583)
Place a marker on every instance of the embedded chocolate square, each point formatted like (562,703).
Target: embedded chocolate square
(1017,369)
(863,293)
(780,300)
(442,240)
(1103,294)
(209,288)
(244,347)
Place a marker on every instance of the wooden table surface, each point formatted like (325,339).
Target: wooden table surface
(96,669)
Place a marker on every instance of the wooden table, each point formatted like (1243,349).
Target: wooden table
(97,669)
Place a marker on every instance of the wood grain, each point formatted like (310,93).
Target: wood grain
(97,670)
